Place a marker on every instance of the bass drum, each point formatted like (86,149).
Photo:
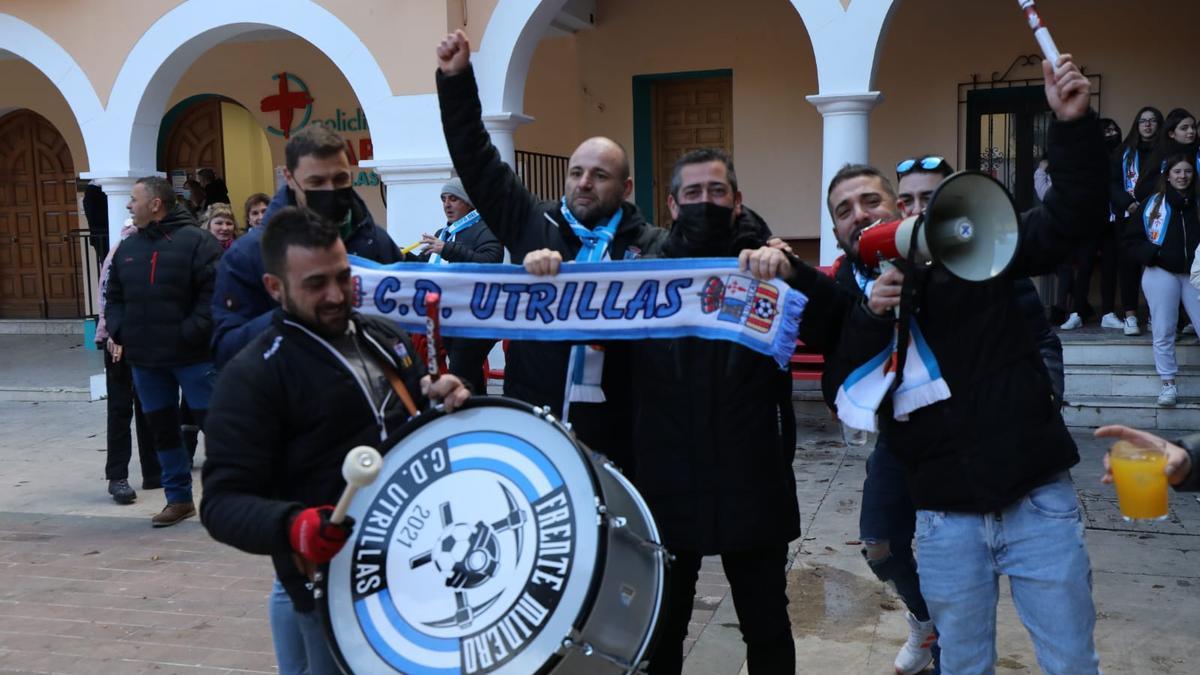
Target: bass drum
(493,542)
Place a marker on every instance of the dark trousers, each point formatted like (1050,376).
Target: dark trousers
(889,517)
(123,408)
(466,357)
(1106,249)
(1129,273)
(758,581)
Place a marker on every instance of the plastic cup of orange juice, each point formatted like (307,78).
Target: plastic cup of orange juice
(1140,476)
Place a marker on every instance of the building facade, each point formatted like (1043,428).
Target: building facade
(107,91)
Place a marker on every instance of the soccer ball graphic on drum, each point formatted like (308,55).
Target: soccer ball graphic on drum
(467,556)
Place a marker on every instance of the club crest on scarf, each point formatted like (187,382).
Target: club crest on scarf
(742,300)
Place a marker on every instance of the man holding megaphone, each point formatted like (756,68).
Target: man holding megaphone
(966,403)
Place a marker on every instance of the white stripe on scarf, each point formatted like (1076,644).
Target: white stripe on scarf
(859,397)
(450,233)
(586,366)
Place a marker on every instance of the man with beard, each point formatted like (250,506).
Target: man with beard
(714,436)
(987,467)
(592,222)
(318,177)
(320,380)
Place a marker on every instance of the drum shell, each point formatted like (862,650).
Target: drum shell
(619,624)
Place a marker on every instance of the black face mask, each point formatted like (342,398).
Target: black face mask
(333,205)
(705,224)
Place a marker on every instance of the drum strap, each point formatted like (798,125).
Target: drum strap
(393,378)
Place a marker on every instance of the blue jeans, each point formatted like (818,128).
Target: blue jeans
(1038,543)
(299,637)
(158,390)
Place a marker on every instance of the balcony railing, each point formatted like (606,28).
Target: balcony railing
(543,174)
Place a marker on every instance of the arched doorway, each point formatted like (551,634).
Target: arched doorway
(209,131)
(39,256)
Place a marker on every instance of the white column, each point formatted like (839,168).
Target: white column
(117,189)
(846,139)
(414,195)
(501,127)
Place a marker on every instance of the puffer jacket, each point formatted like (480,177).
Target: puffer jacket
(159,292)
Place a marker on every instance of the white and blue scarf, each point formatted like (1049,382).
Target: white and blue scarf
(1130,165)
(589,302)
(450,233)
(859,397)
(586,366)
(1156,225)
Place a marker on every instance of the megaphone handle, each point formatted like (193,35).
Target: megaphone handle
(884,266)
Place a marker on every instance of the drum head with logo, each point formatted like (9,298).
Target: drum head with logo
(473,551)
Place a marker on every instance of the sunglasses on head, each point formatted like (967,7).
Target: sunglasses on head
(926,163)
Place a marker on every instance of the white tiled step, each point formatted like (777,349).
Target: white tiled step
(1120,350)
(1086,381)
(1135,411)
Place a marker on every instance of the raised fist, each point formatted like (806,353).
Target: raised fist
(454,53)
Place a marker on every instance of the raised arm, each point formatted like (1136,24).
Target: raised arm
(495,190)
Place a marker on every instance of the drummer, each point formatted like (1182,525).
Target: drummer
(320,381)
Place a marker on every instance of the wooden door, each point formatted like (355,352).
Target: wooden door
(39,264)
(688,114)
(195,140)
(59,215)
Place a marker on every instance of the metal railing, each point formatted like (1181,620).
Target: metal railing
(543,174)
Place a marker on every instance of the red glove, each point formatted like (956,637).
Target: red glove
(315,538)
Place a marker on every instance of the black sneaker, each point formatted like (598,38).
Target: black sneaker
(151,483)
(121,492)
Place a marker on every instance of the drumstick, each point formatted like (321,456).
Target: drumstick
(411,247)
(359,469)
(1040,32)
(433,335)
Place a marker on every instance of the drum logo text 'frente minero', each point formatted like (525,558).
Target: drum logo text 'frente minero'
(463,554)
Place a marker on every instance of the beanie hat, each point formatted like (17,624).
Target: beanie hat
(455,187)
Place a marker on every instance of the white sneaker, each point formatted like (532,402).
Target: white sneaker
(1169,396)
(1072,322)
(1131,326)
(915,655)
(1110,320)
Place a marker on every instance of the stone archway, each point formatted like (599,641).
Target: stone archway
(49,57)
(176,40)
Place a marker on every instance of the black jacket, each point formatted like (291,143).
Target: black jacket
(284,414)
(1000,434)
(1178,248)
(159,292)
(535,372)
(241,305)
(714,434)
(475,244)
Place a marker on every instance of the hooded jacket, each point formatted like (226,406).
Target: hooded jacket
(241,306)
(159,292)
